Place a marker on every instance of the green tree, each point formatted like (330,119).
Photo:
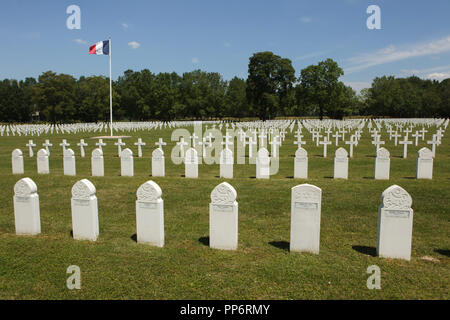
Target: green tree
(270,78)
(235,99)
(318,84)
(54,94)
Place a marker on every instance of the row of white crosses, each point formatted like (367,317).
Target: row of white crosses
(74,128)
(100,144)
(316,136)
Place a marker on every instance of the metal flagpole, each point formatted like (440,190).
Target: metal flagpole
(110,87)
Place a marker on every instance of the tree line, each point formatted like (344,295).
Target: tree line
(271,90)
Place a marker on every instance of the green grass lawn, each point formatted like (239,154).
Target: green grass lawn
(116,267)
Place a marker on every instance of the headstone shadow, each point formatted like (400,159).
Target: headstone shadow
(134,237)
(204,240)
(370,251)
(443,252)
(283,245)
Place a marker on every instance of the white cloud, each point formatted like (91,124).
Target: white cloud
(435,73)
(195,60)
(125,25)
(305,19)
(134,44)
(80,41)
(438,75)
(392,53)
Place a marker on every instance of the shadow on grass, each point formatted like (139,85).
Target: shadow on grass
(410,178)
(134,237)
(290,177)
(252,177)
(283,245)
(443,252)
(328,177)
(204,240)
(369,178)
(370,251)
(183,176)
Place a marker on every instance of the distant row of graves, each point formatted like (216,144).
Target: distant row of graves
(257,138)
(264,163)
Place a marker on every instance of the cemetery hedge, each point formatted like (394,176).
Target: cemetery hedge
(116,267)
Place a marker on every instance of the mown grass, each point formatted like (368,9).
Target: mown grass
(116,267)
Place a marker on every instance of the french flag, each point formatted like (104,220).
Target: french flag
(101,47)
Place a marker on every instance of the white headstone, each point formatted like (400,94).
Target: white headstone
(382,164)
(301,164)
(223,218)
(84,211)
(263,164)
(226,163)
(395,223)
(150,214)
(158,163)
(26,207)
(126,163)
(424,166)
(42,162)
(69,163)
(341,164)
(191,163)
(17,162)
(306,203)
(97,163)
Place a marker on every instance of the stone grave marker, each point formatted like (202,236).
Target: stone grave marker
(42,162)
(301,164)
(191,163)
(341,164)
(263,164)
(17,162)
(382,164)
(97,163)
(126,163)
(226,163)
(84,211)
(69,163)
(223,218)
(424,164)
(158,163)
(26,208)
(306,203)
(30,146)
(395,223)
(150,214)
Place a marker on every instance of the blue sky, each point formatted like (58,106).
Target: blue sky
(220,36)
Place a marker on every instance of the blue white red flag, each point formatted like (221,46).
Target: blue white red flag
(101,47)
